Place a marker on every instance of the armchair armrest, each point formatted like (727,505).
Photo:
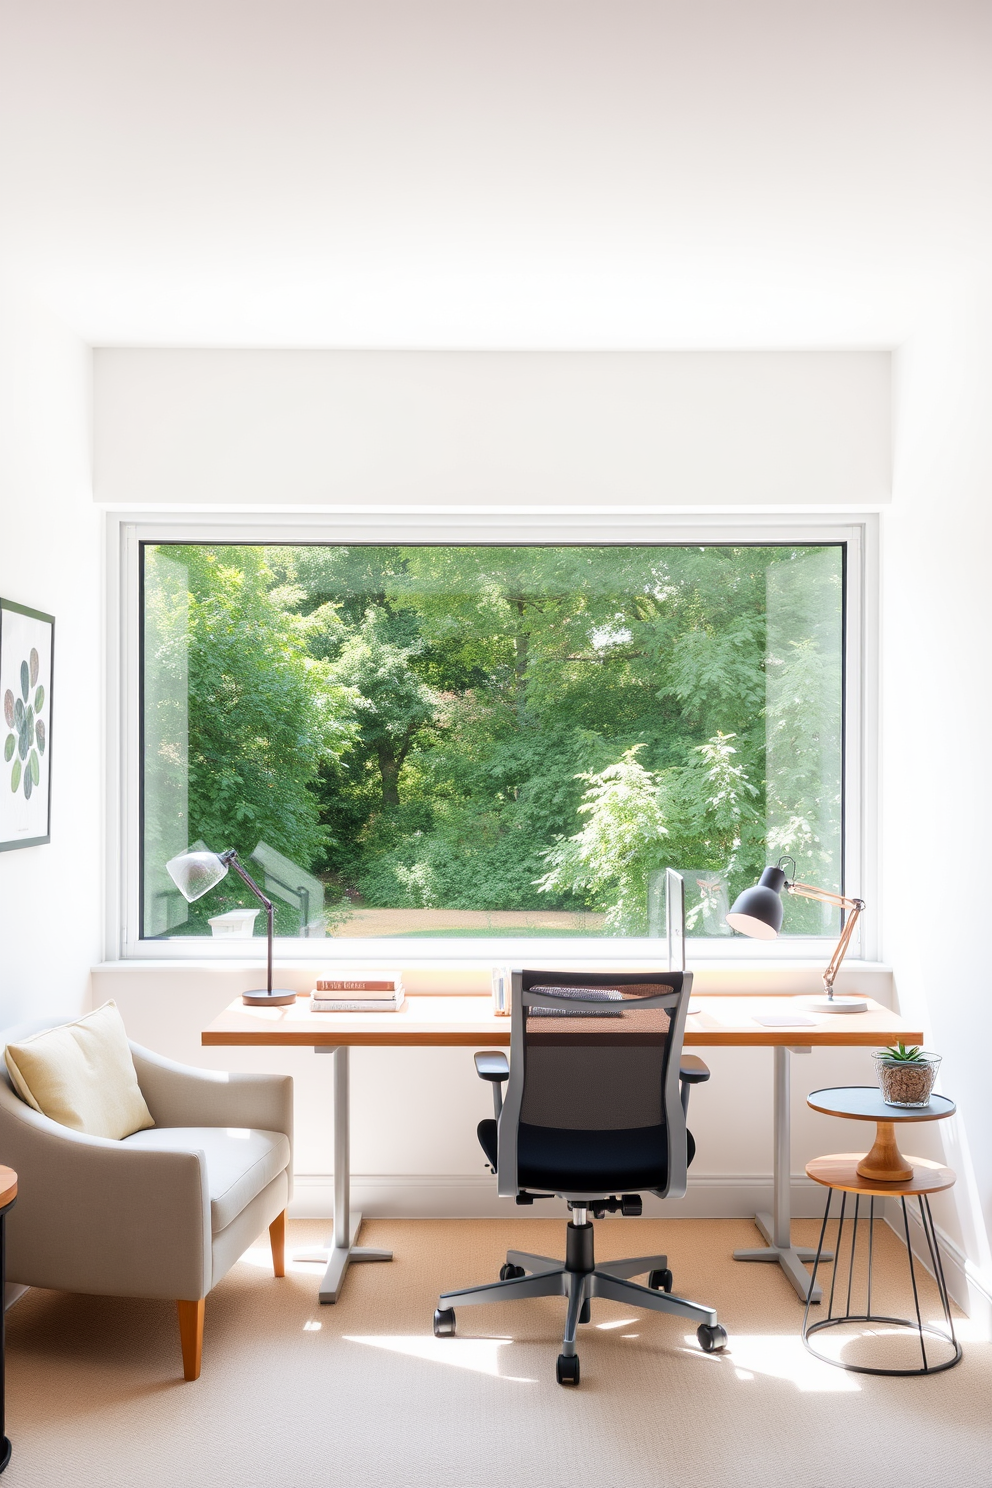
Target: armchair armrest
(493,1065)
(182,1095)
(692,1071)
(94,1215)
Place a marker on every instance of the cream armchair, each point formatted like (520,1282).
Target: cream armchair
(163,1213)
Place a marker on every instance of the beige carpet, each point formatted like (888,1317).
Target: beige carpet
(361,1395)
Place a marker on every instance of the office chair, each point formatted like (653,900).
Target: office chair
(595,1114)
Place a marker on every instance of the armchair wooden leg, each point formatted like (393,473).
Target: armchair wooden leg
(277,1240)
(191,1336)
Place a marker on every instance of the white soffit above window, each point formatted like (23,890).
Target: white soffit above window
(553,429)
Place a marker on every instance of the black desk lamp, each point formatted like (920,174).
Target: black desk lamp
(195,874)
(758,912)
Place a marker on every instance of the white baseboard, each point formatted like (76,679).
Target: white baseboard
(967,1286)
(473,1196)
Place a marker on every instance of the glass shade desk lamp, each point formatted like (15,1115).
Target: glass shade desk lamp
(758,912)
(195,874)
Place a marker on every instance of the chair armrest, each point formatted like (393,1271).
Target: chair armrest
(493,1065)
(182,1095)
(692,1070)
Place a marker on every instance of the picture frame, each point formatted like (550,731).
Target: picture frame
(27,654)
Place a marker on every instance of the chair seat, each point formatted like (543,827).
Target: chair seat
(241,1161)
(571,1161)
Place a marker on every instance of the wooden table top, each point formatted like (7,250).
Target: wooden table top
(8,1186)
(424,1020)
(840,1170)
(865,1103)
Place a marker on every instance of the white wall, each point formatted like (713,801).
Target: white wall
(466,431)
(50,896)
(937,726)
(505,429)
(414,1111)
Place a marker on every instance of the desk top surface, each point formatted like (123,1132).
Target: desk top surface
(469,1022)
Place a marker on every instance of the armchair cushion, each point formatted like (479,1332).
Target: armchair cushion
(241,1162)
(81,1075)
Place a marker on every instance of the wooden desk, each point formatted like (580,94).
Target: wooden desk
(714,1021)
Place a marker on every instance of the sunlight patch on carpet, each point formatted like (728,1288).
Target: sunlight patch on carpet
(778,1356)
(481,1355)
(260,1257)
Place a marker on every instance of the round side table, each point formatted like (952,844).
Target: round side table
(889,1175)
(8,1196)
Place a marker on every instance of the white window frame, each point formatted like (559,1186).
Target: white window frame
(127,530)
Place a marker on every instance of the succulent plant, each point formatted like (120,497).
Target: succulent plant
(901,1055)
(25,744)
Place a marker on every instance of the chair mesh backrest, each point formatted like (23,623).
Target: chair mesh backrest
(594,1072)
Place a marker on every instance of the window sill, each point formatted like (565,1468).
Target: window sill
(472,975)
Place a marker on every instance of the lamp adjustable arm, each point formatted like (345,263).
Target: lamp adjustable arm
(230,859)
(855,906)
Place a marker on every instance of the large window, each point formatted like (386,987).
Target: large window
(442,741)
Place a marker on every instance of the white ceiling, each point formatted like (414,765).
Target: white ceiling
(389,173)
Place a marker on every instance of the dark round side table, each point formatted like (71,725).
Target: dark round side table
(881,1173)
(8,1196)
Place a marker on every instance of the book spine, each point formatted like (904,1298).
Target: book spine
(355,1005)
(334,985)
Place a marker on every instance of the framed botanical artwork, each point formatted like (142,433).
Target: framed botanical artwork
(27,639)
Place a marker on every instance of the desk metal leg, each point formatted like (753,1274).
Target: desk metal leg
(777,1227)
(342,1250)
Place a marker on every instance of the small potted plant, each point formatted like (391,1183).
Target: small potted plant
(905,1076)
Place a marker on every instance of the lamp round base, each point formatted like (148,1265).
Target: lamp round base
(836,1004)
(276,998)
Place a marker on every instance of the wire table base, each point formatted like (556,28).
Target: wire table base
(836,1319)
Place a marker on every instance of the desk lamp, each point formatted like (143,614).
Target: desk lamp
(758,912)
(195,874)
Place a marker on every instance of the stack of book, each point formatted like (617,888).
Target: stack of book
(381,992)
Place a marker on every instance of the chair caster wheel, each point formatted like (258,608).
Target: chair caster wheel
(711,1338)
(568,1369)
(510,1272)
(444,1322)
(660,1281)
(585,1316)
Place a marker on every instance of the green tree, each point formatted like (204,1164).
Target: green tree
(621,842)
(391,701)
(263,714)
(637,821)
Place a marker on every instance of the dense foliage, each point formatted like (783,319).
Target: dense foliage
(504,728)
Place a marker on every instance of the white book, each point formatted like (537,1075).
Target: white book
(357,1004)
(356,992)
